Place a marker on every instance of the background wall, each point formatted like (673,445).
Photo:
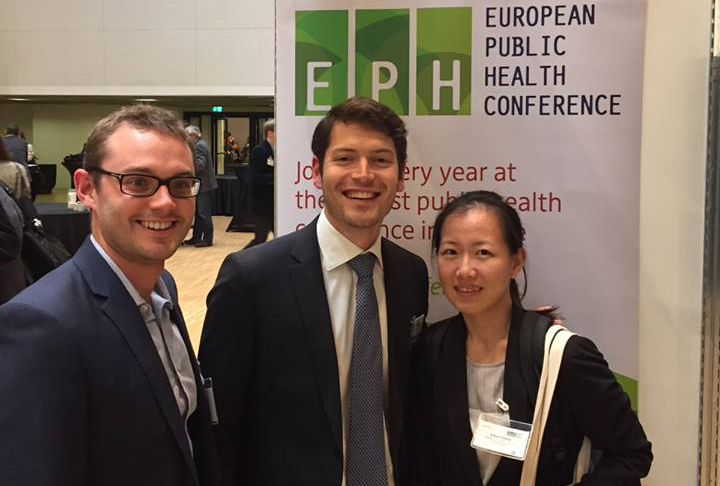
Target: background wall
(57,130)
(62,130)
(137,47)
(19,114)
(674,134)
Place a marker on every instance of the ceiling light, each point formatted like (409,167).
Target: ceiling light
(19,99)
(145,99)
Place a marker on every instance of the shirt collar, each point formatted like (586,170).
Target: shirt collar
(336,249)
(160,291)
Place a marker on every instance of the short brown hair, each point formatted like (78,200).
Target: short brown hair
(368,114)
(143,117)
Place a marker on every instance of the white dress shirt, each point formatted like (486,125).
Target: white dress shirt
(340,282)
(166,337)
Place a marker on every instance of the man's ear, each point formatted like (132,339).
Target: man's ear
(85,188)
(317,173)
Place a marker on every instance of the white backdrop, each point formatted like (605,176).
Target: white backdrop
(583,248)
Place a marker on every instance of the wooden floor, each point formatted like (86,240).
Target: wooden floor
(195,270)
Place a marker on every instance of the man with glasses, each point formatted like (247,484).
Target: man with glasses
(99,383)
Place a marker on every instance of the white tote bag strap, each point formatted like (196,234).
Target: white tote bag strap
(555,341)
(582,466)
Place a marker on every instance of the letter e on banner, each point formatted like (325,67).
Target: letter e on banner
(321,60)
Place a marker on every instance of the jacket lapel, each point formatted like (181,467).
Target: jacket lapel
(121,310)
(204,455)
(515,395)
(398,323)
(177,318)
(451,382)
(307,279)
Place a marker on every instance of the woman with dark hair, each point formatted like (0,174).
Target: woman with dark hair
(473,368)
(14,175)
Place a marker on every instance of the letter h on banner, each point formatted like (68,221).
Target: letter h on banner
(382,59)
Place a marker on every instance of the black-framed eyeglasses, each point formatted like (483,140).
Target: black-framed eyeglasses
(142,185)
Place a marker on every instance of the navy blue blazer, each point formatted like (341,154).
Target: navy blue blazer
(85,396)
(268,345)
(261,179)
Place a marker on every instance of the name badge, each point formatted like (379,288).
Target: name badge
(270,162)
(497,434)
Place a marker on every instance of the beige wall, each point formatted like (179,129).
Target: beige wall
(137,47)
(675,110)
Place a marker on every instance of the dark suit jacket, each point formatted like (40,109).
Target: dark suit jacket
(17,148)
(14,276)
(268,345)
(86,400)
(205,167)
(261,178)
(587,401)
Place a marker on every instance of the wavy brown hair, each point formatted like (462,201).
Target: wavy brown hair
(368,114)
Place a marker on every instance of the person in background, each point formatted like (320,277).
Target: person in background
(202,234)
(15,146)
(31,158)
(261,176)
(101,385)
(14,174)
(231,148)
(472,363)
(244,156)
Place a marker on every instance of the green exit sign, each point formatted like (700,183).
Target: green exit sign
(217,108)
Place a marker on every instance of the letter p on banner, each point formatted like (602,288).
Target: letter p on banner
(321,60)
(382,51)
(444,60)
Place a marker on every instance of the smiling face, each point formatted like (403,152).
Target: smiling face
(475,263)
(138,232)
(359,179)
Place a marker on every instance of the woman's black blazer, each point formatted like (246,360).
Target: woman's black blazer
(587,401)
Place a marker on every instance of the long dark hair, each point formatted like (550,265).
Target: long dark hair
(510,225)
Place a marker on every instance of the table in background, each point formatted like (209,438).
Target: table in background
(226,195)
(231,198)
(43,177)
(68,226)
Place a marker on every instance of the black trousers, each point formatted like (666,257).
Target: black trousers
(203,226)
(263,225)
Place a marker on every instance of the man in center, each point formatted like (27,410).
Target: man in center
(307,337)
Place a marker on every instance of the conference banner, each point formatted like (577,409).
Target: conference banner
(539,101)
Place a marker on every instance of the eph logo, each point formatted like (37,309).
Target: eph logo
(382,59)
